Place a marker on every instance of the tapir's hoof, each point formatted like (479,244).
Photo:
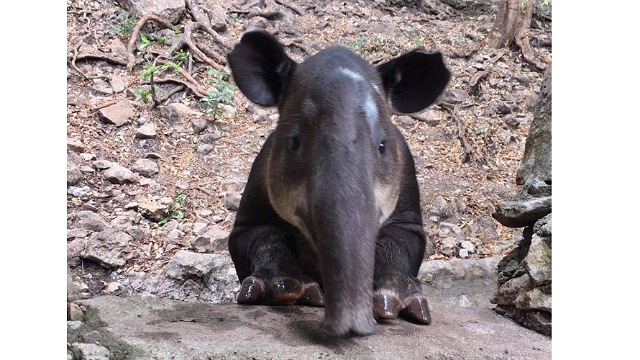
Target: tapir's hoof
(312,295)
(282,290)
(252,291)
(386,306)
(417,309)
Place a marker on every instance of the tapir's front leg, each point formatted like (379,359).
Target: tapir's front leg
(263,248)
(400,247)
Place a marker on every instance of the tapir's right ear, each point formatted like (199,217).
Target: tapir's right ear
(260,67)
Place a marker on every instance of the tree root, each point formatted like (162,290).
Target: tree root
(522,40)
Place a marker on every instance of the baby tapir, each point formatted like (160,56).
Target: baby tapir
(331,212)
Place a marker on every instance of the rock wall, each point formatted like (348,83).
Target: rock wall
(524,275)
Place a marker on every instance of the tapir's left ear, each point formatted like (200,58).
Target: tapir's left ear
(414,80)
(260,67)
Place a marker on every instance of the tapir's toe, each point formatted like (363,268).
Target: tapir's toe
(400,295)
(285,291)
(312,295)
(252,291)
(386,305)
(417,309)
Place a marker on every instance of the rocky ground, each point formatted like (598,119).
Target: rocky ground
(152,188)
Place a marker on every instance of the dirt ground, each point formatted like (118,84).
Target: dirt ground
(488,106)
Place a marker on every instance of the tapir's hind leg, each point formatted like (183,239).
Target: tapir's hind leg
(268,268)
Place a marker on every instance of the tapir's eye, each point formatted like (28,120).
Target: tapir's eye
(382,146)
(294,143)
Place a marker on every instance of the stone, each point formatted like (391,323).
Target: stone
(146,131)
(89,220)
(119,174)
(74,144)
(172,10)
(534,299)
(145,167)
(188,265)
(449,246)
(74,174)
(441,207)
(198,125)
(521,213)
(118,84)
(232,200)
(153,210)
(508,292)
(538,261)
(110,248)
(89,351)
(118,114)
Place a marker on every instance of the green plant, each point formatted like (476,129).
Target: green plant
(177,208)
(127,21)
(142,94)
(481,130)
(221,92)
(418,42)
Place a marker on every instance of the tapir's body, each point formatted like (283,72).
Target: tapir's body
(331,211)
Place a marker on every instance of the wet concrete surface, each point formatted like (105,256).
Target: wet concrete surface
(145,327)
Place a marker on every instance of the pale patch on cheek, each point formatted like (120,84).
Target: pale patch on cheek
(286,202)
(386,197)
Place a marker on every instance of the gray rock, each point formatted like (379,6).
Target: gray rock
(102,86)
(153,210)
(74,312)
(88,351)
(542,227)
(521,213)
(74,174)
(110,248)
(74,144)
(441,207)
(171,10)
(449,246)
(145,167)
(189,265)
(260,115)
(89,220)
(146,131)
(118,84)
(77,233)
(118,114)
(214,238)
(102,164)
(198,125)
(218,16)
(232,200)
(508,292)
(204,149)
(446,228)
(77,191)
(210,138)
(119,174)
(538,261)
(468,245)
(534,299)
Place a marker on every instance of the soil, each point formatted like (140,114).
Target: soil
(488,105)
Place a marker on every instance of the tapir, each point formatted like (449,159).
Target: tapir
(330,215)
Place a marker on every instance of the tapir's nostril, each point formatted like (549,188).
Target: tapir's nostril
(295,143)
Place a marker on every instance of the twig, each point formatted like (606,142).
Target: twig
(522,40)
(205,23)
(291,7)
(134,36)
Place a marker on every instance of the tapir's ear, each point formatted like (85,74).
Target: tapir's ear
(414,80)
(260,67)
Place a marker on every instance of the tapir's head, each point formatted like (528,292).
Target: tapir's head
(334,168)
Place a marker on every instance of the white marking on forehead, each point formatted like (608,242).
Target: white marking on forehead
(352,74)
(370,109)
